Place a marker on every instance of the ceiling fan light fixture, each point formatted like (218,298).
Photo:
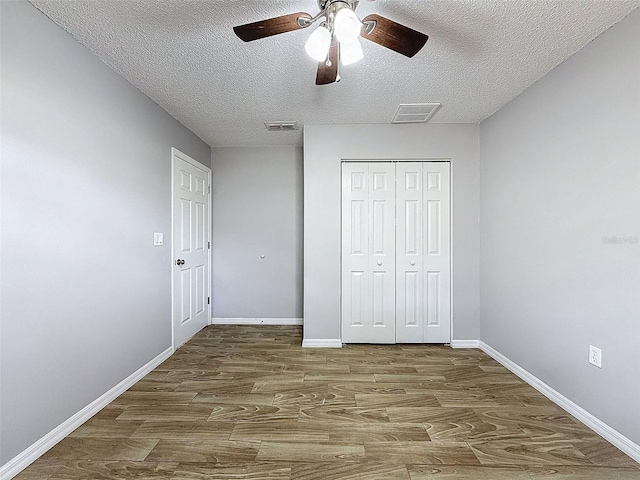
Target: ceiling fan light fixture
(351,52)
(318,44)
(338,35)
(347,25)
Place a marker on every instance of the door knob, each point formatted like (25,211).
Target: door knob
(413,264)
(179,262)
(379,263)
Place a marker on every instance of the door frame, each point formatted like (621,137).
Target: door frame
(451,249)
(175,153)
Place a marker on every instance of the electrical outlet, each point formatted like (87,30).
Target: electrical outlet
(595,356)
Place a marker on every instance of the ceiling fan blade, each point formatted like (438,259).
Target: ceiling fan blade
(272,26)
(329,73)
(390,34)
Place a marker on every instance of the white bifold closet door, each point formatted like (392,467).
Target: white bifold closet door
(396,253)
(368,252)
(423,258)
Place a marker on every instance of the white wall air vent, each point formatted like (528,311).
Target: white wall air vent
(281,126)
(415,112)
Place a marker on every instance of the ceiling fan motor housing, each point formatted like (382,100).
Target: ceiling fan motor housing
(325,4)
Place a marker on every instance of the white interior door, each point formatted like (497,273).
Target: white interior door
(190,245)
(368,252)
(396,241)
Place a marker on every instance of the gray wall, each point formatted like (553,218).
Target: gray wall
(85,297)
(257,210)
(325,146)
(560,170)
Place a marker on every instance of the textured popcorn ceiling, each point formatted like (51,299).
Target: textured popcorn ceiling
(184,55)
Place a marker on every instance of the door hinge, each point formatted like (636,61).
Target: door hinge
(209,245)
(208,300)
(208,188)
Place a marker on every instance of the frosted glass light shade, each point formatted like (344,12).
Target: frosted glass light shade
(351,52)
(347,26)
(317,46)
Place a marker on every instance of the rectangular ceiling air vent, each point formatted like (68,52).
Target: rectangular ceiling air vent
(281,126)
(415,112)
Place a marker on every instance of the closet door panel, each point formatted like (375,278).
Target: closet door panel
(356,310)
(409,252)
(382,198)
(437,253)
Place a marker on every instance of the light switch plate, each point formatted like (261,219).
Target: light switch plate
(158,239)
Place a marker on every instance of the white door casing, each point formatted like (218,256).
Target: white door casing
(417,223)
(190,247)
(368,253)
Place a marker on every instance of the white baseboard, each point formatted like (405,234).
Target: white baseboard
(256,321)
(40,447)
(594,423)
(465,343)
(321,343)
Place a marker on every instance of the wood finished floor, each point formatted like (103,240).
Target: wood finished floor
(247,402)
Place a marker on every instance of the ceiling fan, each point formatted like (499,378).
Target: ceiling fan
(336,40)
